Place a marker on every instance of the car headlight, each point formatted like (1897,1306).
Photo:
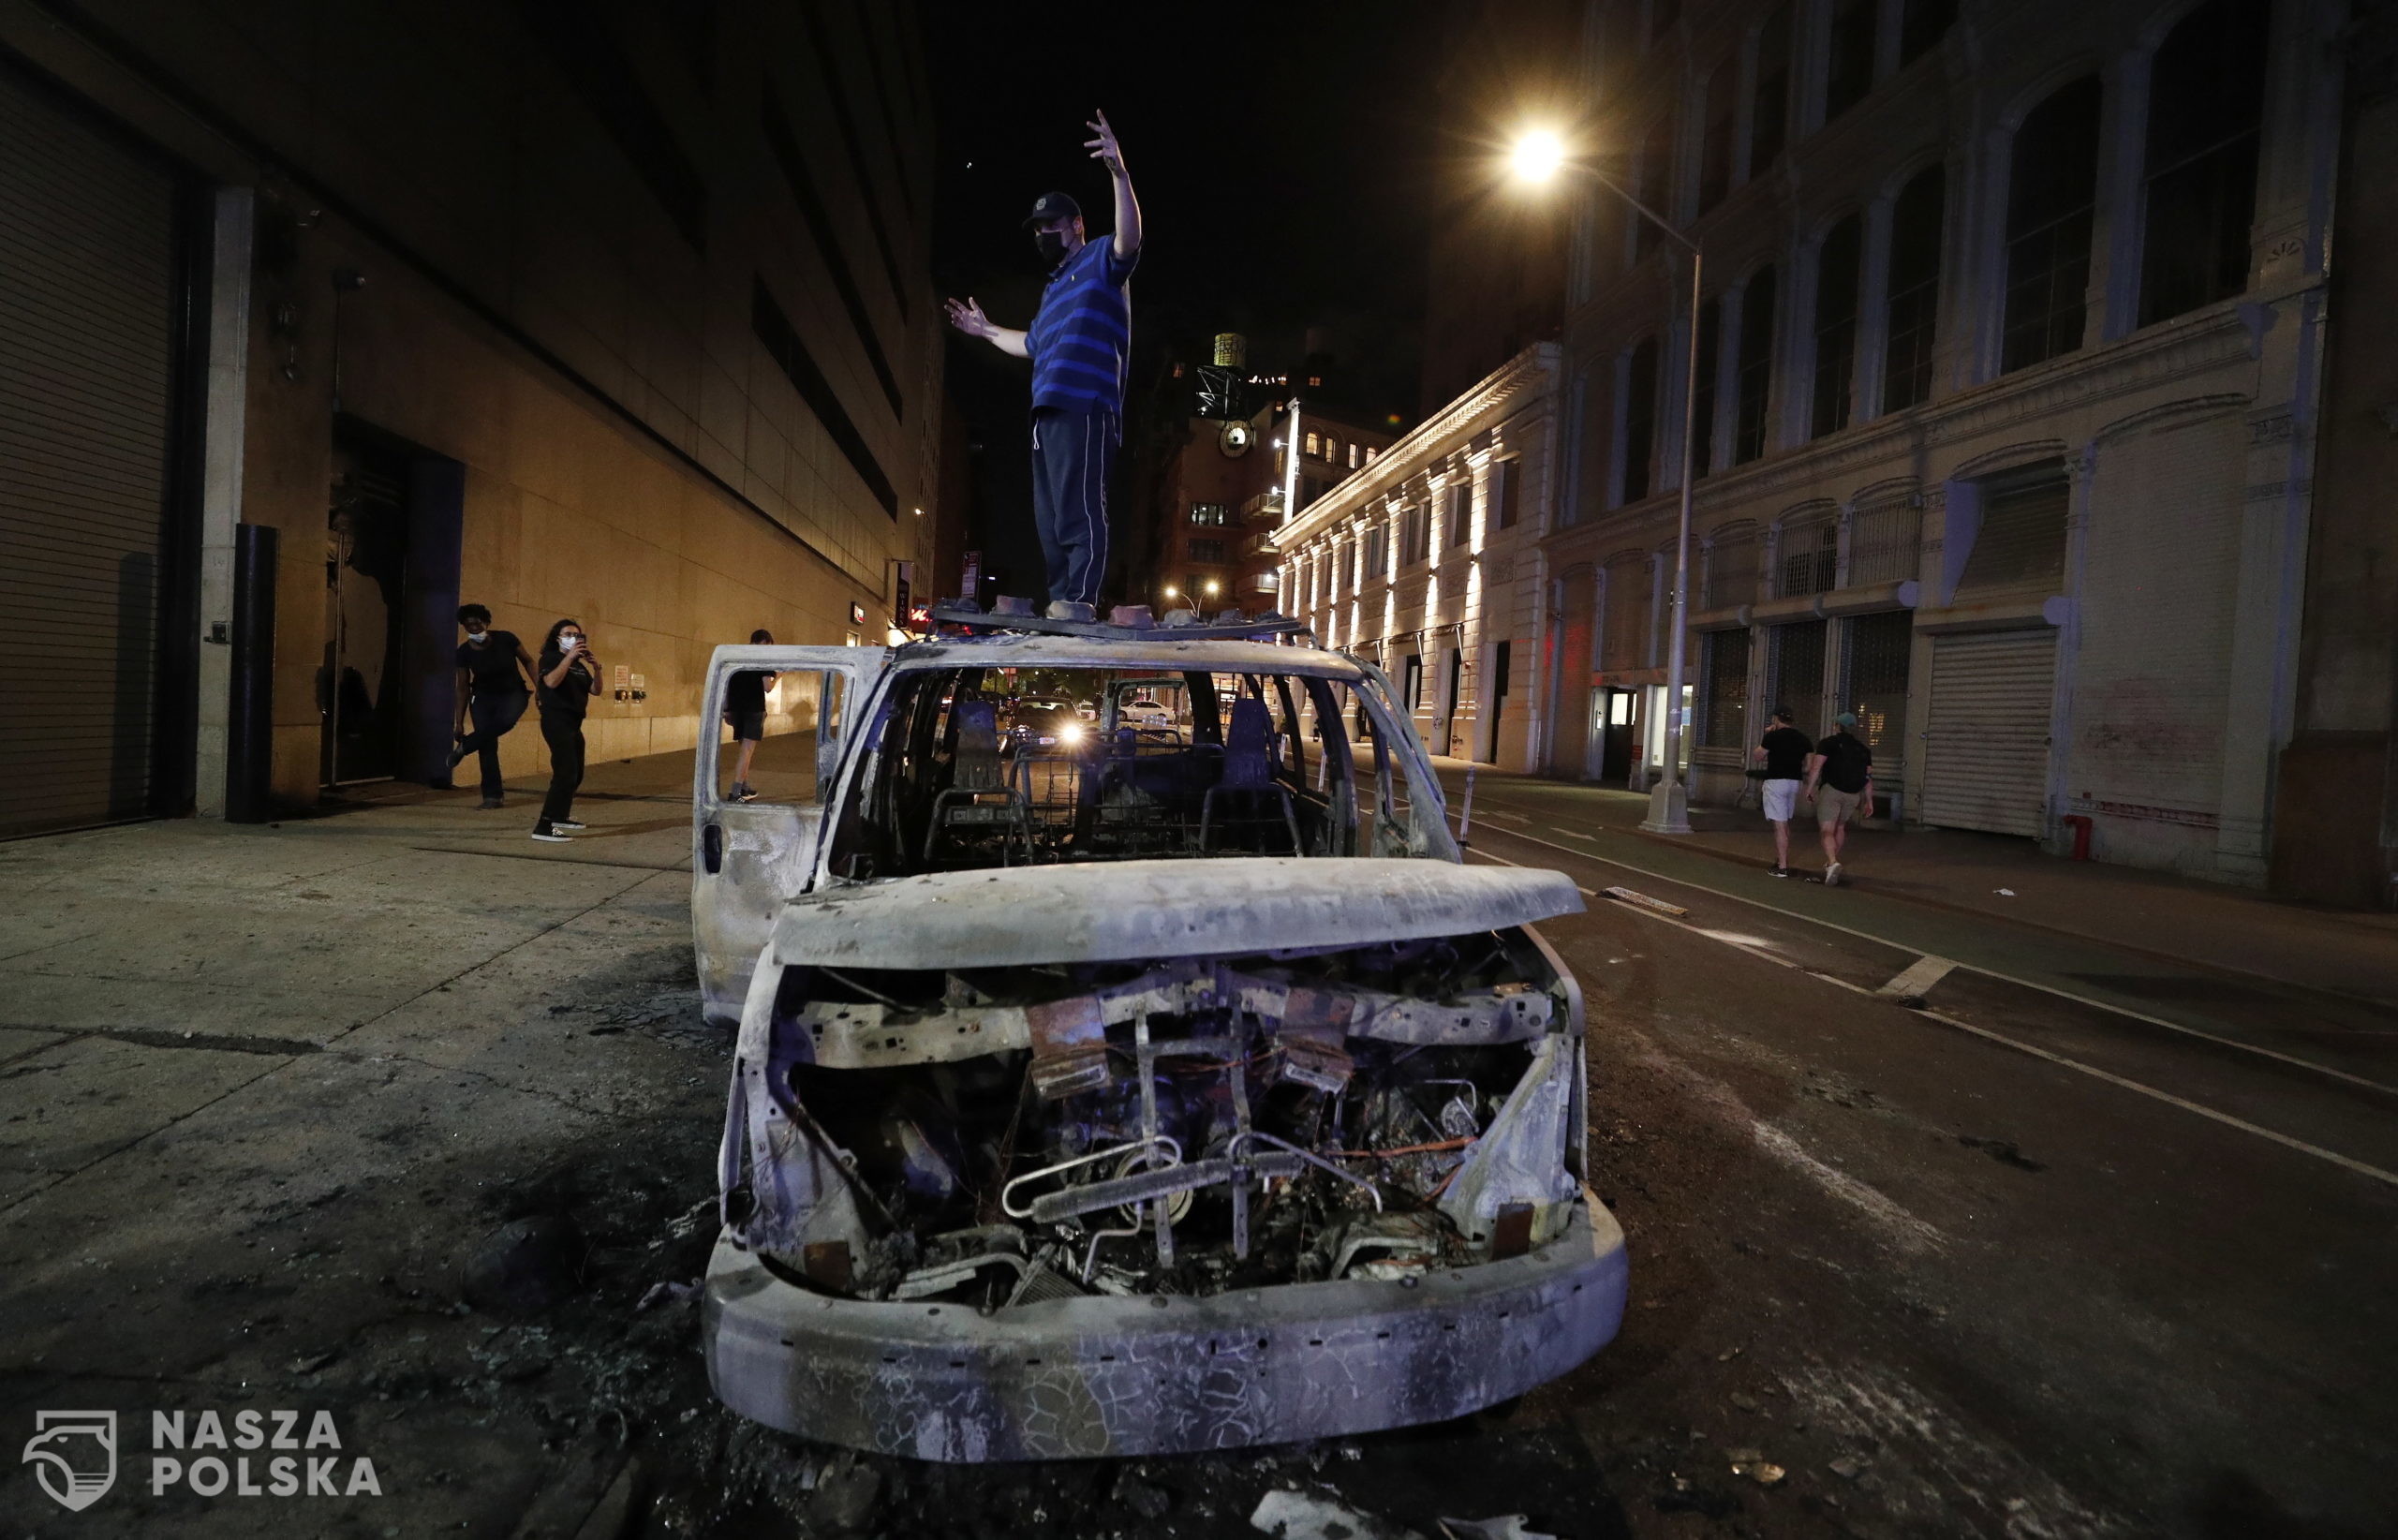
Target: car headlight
(1071,732)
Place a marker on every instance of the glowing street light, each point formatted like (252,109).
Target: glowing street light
(1536,158)
(1212,586)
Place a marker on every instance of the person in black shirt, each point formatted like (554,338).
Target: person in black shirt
(1844,766)
(490,693)
(568,676)
(1784,753)
(745,711)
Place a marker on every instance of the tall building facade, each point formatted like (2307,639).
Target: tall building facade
(2008,370)
(1427,562)
(313,326)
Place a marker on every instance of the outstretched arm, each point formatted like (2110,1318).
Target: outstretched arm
(1104,150)
(968,318)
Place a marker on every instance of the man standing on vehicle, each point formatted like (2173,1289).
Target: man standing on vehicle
(1078,343)
(1784,752)
(1844,767)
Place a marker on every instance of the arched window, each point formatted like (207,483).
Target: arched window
(1849,68)
(1313,444)
(1715,137)
(1732,557)
(1770,107)
(2206,110)
(1711,333)
(1836,280)
(1756,380)
(2051,191)
(1914,289)
(1639,418)
(1807,556)
(1656,184)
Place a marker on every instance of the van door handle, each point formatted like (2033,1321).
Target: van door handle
(712,848)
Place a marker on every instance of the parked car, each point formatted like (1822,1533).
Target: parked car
(1198,1095)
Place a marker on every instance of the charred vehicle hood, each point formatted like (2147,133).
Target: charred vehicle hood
(1139,909)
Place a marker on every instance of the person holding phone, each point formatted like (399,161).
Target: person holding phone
(568,677)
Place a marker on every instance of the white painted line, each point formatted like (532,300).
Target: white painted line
(1571,834)
(2335,1157)
(1917,980)
(1641,900)
(2261,1052)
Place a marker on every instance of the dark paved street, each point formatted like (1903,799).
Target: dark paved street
(2000,1262)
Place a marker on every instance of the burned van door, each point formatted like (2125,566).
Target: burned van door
(748,857)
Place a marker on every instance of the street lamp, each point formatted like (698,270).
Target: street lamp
(1536,158)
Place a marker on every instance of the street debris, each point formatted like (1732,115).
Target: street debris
(2004,892)
(1505,1527)
(1847,1467)
(1288,1515)
(526,1265)
(1752,1464)
(1641,900)
(1746,1402)
(665,1291)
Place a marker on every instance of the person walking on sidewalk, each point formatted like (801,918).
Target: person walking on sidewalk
(568,677)
(1078,343)
(1784,752)
(490,693)
(1839,782)
(745,712)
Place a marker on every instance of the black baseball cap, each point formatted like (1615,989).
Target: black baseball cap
(1053,205)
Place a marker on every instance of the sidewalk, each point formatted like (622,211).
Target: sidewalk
(2201,924)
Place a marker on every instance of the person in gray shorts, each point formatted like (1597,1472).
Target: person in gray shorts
(1839,782)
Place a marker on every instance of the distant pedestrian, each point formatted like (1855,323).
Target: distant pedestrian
(745,712)
(1078,343)
(1784,752)
(568,677)
(1839,782)
(493,667)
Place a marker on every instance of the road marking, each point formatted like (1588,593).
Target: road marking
(2335,1157)
(1641,900)
(1572,834)
(2220,1041)
(1918,981)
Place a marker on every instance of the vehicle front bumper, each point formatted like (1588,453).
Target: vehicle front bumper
(1109,1375)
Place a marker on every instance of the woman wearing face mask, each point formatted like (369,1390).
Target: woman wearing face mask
(491,692)
(569,676)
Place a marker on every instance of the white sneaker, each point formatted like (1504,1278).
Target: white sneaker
(1831,875)
(567,824)
(553,838)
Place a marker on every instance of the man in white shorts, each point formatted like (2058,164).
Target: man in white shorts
(1784,753)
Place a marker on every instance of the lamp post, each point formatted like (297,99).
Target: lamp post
(1538,156)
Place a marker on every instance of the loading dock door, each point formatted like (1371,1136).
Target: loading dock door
(1986,755)
(87,292)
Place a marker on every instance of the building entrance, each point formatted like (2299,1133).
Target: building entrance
(386,687)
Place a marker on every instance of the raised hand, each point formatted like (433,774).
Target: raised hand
(967,317)
(1102,147)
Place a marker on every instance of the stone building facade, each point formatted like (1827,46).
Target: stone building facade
(612,311)
(1427,562)
(2010,354)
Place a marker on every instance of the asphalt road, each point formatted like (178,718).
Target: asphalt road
(1956,1254)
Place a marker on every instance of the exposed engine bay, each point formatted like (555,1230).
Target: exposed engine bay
(996,1137)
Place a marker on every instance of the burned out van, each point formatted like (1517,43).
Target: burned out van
(1175,1087)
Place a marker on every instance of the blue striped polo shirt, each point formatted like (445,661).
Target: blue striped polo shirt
(1082,332)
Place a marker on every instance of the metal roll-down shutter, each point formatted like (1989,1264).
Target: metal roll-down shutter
(87,296)
(1986,755)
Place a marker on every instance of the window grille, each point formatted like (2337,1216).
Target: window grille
(1723,690)
(1875,682)
(1885,545)
(1808,557)
(2021,544)
(1795,668)
(1214,515)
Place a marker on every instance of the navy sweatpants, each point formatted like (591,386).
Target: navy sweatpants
(1072,454)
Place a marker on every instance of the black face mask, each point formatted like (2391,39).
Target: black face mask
(1051,245)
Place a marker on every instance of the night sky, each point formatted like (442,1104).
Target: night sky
(1286,160)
